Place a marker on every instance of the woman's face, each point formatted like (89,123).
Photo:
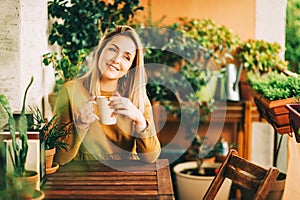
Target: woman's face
(117,57)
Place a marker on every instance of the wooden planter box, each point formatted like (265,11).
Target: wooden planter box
(294,117)
(275,112)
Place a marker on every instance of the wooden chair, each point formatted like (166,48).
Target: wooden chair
(245,174)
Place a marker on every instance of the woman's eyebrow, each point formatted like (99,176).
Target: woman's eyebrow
(115,46)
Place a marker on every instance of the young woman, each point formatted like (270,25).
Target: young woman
(117,71)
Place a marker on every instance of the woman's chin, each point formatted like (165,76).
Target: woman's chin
(111,76)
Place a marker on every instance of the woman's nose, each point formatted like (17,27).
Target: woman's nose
(117,58)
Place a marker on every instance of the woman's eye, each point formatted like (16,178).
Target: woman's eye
(127,58)
(112,49)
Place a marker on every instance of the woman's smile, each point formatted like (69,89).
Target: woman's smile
(113,67)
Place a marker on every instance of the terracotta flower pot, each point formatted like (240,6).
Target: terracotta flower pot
(49,154)
(24,186)
(275,112)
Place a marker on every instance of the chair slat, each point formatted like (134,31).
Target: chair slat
(247,166)
(241,179)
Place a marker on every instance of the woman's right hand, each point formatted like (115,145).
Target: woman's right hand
(86,115)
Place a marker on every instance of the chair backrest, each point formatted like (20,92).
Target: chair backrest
(245,174)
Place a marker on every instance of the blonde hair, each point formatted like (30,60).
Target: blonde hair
(134,85)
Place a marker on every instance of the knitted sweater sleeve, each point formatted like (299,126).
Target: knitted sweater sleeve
(148,146)
(74,138)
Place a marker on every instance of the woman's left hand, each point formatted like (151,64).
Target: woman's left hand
(124,106)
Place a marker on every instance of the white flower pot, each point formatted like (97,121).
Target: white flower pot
(190,187)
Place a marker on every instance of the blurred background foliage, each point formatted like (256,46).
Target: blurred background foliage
(292,53)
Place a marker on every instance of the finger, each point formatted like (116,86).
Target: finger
(122,112)
(115,101)
(119,106)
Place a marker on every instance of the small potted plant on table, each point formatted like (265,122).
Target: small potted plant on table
(52,134)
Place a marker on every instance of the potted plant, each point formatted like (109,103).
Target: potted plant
(258,56)
(52,133)
(197,49)
(220,43)
(198,169)
(199,40)
(271,93)
(20,180)
(219,40)
(193,68)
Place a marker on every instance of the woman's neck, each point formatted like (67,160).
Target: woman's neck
(108,85)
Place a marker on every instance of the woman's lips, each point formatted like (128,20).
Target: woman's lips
(113,67)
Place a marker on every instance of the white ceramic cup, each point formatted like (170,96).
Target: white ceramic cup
(105,111)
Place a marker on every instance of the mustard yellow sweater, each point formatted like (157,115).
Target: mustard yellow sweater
(119,141)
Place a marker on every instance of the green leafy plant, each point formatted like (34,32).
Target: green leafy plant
(65,69)
(292,35)
(200,41)
(53,133)
(260,56)
(18,153)
(275,85)
(200,149)
(79,24)
(219,41)
(50,130)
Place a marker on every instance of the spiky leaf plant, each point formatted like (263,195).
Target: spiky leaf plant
(51,131)
(18,152)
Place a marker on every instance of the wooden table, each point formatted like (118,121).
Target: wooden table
(94,180)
